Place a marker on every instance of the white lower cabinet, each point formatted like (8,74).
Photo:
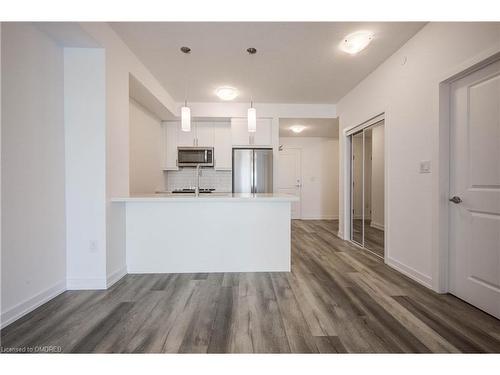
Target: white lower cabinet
(222,146)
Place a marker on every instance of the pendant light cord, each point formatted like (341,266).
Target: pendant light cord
(251,51)
(186,51)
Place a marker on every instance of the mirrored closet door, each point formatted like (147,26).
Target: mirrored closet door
(367,188)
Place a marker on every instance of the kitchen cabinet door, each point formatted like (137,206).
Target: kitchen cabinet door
(263,135)
(170,145)
(204,134)
(186,139)
(222,146)
(239,132)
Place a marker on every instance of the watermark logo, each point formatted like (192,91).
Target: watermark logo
(31,349)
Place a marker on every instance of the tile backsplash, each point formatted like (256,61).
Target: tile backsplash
(209,179)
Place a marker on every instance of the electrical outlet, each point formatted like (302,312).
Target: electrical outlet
(425,166)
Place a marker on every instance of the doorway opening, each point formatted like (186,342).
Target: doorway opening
(308,167)
(367,187)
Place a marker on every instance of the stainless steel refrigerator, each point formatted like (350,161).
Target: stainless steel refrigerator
(252,170)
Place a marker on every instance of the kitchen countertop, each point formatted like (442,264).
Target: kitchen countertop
(210,197)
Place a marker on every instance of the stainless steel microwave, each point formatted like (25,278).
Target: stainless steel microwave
(193,156)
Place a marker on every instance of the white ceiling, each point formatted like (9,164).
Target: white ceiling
(328,127)
(296,62)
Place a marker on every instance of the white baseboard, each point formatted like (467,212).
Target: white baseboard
(412,273)
(115,276)
(31,304)
(377,225)
(321,217)
(86,284)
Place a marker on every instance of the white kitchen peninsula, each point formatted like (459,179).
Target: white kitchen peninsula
(211,233)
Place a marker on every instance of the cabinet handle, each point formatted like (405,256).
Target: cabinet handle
(176,163)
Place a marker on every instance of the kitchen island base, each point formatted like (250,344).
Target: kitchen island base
(207,235)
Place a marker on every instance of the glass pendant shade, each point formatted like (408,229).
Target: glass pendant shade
(185,119)
(252,120)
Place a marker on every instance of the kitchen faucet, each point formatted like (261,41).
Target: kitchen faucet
(197,189)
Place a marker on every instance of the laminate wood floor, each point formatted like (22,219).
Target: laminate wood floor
(374,238)
(336,299)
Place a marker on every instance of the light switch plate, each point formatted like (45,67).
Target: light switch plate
(425,166)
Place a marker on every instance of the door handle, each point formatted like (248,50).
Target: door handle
(456,200)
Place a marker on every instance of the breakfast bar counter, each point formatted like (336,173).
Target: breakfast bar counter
(218,232)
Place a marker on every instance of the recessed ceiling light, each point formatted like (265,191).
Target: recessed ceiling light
(297,128)
(355,42)
(226,93)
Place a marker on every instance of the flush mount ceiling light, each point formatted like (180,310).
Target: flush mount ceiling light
(357,41)
(226,93)
(185,110)
(297,128)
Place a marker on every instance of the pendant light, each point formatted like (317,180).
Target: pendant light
(185,110)
(252,113)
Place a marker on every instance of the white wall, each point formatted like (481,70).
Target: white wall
(406,88)
(33,207)
(319,168)
(85,130)
(377,178)
(120,64)
(146,166)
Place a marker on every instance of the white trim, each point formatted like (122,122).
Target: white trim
(32,303)
(86,284)
(412,273)
(376,225)
(372,121)
(116,276)
(321,217)
(441,180)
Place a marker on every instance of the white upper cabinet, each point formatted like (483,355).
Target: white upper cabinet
(201,135)
(241,136)
(220,135)
(204,134)
(185,139)
(264,134)
(222,146)
(239,132)
(170,145)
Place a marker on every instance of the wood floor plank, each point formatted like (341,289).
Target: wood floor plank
(297,331)
(329,345)
(337,298)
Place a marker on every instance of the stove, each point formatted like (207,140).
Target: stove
(192,191)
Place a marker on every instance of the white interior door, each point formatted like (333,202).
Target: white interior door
(289,177)
(475,184)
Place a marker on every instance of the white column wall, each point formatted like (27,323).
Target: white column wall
(85,131)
